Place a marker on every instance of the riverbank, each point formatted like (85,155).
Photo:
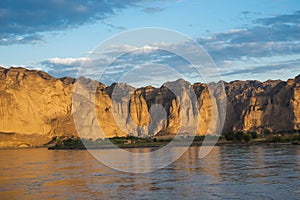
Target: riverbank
(232,139)
(154,146)
(135,142)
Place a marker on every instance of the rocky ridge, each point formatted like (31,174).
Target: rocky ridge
(35,107)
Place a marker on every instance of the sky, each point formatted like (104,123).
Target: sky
(258,39)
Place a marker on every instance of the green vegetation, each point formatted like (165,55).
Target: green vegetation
(265,137)
(238,137)
(68,143)
(290,138)
(123,142)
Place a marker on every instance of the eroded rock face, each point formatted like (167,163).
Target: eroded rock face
(257,106)
(34,103)
(34,107)
(295,103)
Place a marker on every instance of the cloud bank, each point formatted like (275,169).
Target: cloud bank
(268,46)
(26,21)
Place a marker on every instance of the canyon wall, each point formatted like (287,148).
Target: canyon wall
(35,107)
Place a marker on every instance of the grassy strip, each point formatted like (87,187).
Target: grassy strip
(136,142)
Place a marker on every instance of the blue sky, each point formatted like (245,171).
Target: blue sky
(258,39)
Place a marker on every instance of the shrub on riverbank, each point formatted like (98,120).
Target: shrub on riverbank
(68,143)
(240,136)
(283,138)
(266,136)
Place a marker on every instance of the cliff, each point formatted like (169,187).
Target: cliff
(35,107)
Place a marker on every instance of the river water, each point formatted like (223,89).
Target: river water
(228,172)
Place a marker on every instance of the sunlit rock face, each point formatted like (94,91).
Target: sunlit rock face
(34,107)
(33,103)
(295,102)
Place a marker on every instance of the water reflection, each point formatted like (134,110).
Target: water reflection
(226,172)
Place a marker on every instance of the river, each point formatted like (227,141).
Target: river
(227,172)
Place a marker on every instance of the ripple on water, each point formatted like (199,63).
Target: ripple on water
(262,172)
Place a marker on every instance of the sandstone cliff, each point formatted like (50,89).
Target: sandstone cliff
(34,107)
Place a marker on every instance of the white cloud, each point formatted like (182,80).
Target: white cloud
(67,61)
